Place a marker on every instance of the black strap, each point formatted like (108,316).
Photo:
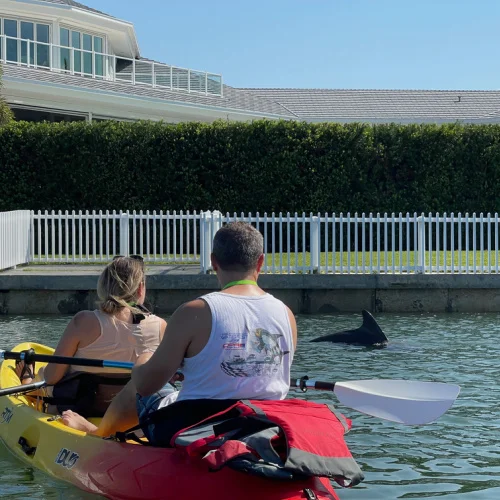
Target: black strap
(137,318)
(130,435)
(26,372)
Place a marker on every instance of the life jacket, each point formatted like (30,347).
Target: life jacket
(288,439)
(88,394)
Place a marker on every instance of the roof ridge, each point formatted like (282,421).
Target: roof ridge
(78,5)
(307,89)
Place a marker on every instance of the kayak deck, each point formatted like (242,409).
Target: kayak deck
(125,470)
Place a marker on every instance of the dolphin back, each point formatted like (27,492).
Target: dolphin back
(369,333)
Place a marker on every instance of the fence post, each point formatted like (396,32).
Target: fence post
(314,230)
(210,224)
(124,233)
(420,267)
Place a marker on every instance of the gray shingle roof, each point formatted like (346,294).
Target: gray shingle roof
(386,105)
(233,99)
(308,104)
(78,5)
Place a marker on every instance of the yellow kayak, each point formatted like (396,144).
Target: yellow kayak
(124,470)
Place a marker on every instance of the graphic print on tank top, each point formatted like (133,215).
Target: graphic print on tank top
(253,354)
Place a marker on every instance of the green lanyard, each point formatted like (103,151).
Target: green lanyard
(240,282)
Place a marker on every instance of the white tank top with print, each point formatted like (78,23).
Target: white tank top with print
(249,352)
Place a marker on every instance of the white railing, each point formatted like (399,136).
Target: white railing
(97,65)
(65,237)
(321,243)
(14,238)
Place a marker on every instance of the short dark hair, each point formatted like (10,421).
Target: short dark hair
(238,246)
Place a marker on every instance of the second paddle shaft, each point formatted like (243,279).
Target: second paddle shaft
(305,383)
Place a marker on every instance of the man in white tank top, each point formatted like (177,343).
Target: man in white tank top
(234,344)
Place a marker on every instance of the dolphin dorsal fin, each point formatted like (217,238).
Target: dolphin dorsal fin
(373,327)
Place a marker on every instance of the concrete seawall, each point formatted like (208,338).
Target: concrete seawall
(69,289)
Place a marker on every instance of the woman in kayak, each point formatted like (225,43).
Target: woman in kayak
(121,329)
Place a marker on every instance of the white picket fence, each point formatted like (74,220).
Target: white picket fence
(15,228)
(313,243)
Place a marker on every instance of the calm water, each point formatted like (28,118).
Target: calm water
(458,457)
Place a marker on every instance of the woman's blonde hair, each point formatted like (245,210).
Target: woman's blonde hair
(119,283)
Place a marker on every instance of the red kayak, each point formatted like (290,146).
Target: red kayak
(155,473)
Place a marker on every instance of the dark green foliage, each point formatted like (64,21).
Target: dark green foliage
(264,166)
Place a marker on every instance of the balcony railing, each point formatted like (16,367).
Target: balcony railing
(90,64)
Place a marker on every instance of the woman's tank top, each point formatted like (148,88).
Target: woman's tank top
(248,354)
(120,341)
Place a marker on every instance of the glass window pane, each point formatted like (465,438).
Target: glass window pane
(42,55)
(64,37)
(87,42)
(76,43)
(65,64)
(87,63)
(42,51)
(99,65)
(77,63)
(10,27)
(42,33)
(27,31)
(75,39)
(98,44)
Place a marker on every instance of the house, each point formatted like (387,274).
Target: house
(64,61)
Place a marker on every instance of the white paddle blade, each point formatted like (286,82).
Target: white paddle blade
(407,402)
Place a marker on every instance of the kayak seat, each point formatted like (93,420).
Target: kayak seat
(88,394)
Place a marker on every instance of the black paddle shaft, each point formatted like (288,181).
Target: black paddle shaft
(29,357)
(304,383)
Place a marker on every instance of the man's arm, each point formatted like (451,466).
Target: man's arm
(182,328)
(293,325)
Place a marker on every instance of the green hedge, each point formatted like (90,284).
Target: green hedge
(262,166)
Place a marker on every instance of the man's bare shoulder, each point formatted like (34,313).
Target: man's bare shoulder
(192,312)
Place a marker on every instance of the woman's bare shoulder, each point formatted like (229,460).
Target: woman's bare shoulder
(85,324)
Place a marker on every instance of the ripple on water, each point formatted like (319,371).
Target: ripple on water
(457,457)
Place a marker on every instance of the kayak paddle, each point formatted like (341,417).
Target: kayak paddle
(408,402)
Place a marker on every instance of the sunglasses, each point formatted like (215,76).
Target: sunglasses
(134,257)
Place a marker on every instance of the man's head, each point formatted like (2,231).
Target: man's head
(237,247)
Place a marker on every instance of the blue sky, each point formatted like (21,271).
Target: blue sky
(425,44)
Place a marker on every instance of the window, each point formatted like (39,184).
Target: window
(27,49)
(10,30)
(45,115)
(86,51)
(18,48)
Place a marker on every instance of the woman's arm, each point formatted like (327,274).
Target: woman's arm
(82,330)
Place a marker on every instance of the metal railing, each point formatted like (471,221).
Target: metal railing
(15,229)
(293,243)
(97,65)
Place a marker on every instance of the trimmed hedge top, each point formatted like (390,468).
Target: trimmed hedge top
(262,166)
